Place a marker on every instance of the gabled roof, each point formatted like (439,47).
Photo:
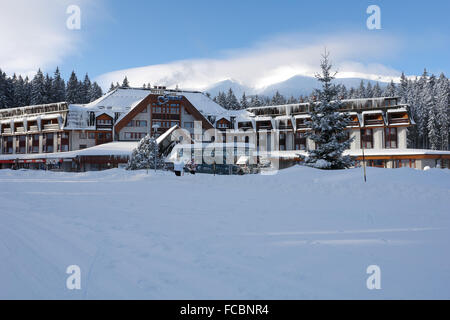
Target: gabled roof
(118,100)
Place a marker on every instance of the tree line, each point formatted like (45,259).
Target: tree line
(17,91)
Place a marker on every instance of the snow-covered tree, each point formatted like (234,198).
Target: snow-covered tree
(232,101)
(442,109)
(244,104)
(390,89)
(255,101)
(369,90)
(278,99)
(38,88)
(146,155)
(125,83)
(73,89)
(402,89)
(95,92)
(85,89)
(58,87)
(377,92)
(430,104)
(342,92)
(328,126)
(291,100)
(361,91)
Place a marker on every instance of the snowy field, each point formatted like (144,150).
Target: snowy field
(300,234)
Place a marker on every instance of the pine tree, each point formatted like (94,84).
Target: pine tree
(328,126)
(402,89)
(277,99)
(377,92)
(361,91)
(389,91)
(125,83)
(430,102)
(232,101)
(292,100)
(369,90)
(19,92)
(48,89)
(73,89)
(255,101)
(2,90)
(244,102)
(442,108)
(58,87)
(112,87)
(342,92)
(146,155)
(95,92)
(421,110)
(38,88)
(85,89)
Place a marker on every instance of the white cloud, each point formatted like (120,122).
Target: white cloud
(272,61)
(33,34)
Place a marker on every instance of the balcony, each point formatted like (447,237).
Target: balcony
(7,131)
(53,126)
(33,129)
(20,130)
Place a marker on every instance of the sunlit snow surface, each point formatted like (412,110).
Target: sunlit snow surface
(300,234)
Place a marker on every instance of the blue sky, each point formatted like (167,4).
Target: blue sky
(226,39)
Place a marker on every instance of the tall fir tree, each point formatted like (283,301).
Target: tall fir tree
(95,92)
(73,89)
(390,89)
(443,110)
(125,83)
(244,102)
(377,92)
(232,101)
(430,103)
(328,126)
(38,88)
(278,99)
(58,87)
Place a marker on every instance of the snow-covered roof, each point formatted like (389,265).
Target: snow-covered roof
(302,116)
(118,100)
(204,104)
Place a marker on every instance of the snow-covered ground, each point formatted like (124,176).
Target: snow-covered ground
(302,233)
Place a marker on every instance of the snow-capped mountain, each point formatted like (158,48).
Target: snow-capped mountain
(295,86)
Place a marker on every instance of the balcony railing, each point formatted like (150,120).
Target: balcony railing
(20,129)
(53,126)
(7,130)
(33,128)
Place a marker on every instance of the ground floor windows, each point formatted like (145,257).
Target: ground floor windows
(300,141)
(134,135)
(282,141)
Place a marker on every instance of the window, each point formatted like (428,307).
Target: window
(134,135)
(367,138)
(300,141)
(91,135)
(189,124)
(390,138)
(156,110)
(83,135)
(83,146)
(104,122)
(141,123)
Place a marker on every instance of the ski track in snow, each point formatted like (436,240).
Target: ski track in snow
(299,234)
